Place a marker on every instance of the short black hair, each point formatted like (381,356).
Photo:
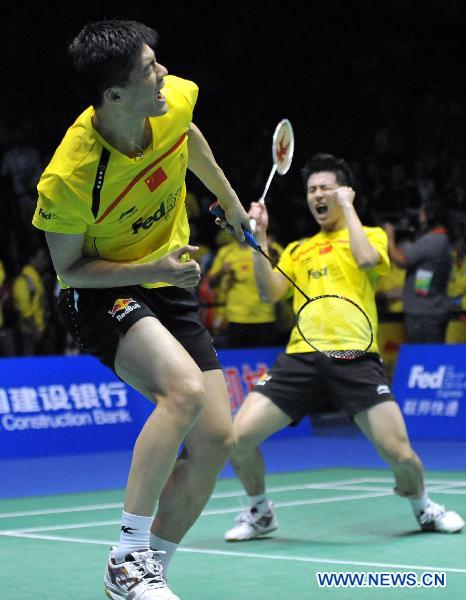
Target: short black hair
(103,55)
(436,213)
(328,162)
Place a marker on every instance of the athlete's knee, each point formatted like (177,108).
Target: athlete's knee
(185,396)
(255,421)
(398,454)
(245,442)
(223,446)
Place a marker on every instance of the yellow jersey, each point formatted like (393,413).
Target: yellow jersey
(128,209)
(242,301)
(323,264)
(395,278)
(28,297)
(457,283)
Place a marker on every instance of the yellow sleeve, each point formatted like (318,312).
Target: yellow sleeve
(182,94)
(59,208)
(378,238)
(218,262)
(287,264)
(188,89)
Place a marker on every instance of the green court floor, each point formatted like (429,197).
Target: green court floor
(331,520)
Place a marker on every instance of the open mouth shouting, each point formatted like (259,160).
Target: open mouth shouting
(321,209)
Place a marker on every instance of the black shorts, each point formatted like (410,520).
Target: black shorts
(301,383)
(98,318)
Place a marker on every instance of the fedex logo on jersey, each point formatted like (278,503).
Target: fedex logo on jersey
(318,273)
(420,378)
(162,211)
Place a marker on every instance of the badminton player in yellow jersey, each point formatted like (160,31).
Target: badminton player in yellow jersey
(343,258)
(111,202)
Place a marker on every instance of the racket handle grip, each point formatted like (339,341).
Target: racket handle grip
(218,211)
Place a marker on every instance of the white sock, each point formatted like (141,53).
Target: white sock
(134,534)
(259,501)
(420,504)
(169,548)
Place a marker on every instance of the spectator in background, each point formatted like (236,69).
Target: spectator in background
(454,190)
(251,322)
(7,337)
(22,166)
(428,264)
(29,302)
(401,192)
(390,287)
(424,183)
(457,284)
(389,291)
(212,301)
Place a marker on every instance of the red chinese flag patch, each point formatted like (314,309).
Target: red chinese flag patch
(155,179)
(325,249)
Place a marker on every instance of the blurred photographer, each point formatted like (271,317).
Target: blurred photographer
(428,265)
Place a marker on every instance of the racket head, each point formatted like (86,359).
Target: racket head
(335,326)
(283,146)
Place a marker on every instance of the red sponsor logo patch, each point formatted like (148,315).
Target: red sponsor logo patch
(120,304)
(155,179)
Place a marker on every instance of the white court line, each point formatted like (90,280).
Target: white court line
(205,513)
(233,494)
(305,559)
(327,500)
(336,485)
(56,511)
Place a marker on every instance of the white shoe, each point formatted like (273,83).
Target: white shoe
(252,524)
(436,518)
(139,577)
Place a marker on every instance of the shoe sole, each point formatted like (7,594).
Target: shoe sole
(256,537)
(112,595)
(433,530)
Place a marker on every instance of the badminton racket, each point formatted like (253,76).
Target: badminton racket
(330,323)
(282,155)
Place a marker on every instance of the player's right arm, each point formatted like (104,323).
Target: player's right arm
(79,271)
(272,286)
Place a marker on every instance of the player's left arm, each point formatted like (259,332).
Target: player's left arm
(202,163)
(364,253)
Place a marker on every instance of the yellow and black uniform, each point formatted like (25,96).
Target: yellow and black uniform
(251,322)
(131,210)
(323,264)
(302,379)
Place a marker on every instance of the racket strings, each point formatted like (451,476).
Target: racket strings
(335,326)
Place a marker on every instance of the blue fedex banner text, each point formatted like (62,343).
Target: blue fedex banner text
(430,386)
(73,404)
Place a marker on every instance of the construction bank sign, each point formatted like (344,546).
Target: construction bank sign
(430,386)
(56,405)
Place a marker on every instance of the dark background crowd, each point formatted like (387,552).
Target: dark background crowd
(379,83)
